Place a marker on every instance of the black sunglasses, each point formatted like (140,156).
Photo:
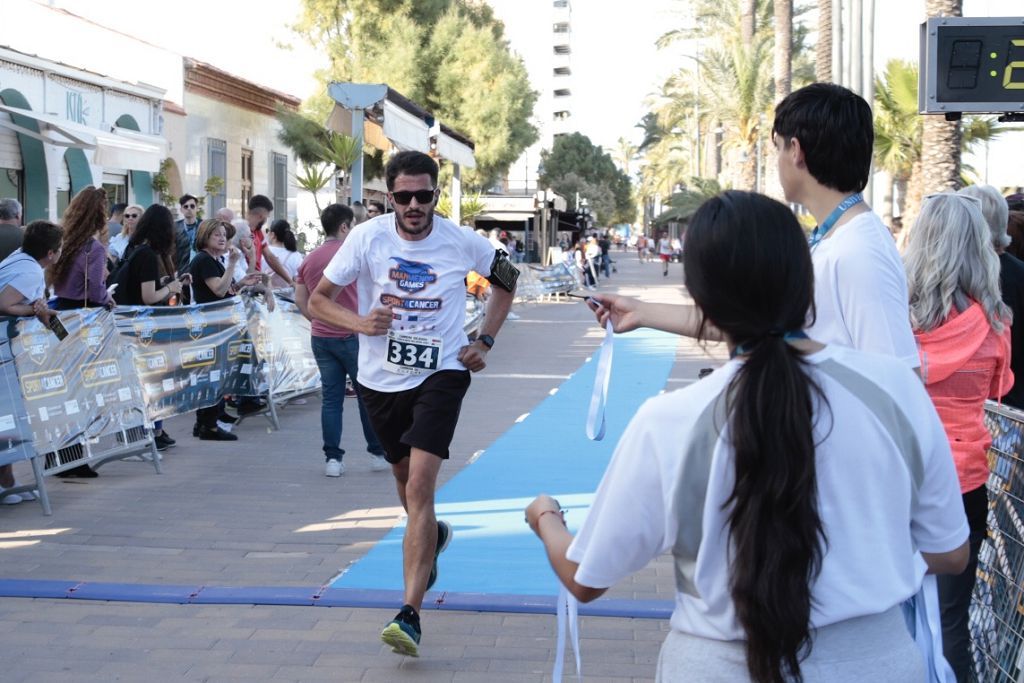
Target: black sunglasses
(403,197)
(131,215)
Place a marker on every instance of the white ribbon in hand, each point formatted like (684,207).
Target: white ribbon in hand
(599,397)
(567,612)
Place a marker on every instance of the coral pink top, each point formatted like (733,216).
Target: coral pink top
(964,361)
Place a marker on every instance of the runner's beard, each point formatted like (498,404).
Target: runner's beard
(428,223)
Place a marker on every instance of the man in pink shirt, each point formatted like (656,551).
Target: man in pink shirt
(336,350)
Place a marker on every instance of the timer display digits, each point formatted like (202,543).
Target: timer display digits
(972,65)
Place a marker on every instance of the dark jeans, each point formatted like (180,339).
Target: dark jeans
(955,591)
(338,358)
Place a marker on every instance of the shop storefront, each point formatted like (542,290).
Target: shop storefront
(62,129)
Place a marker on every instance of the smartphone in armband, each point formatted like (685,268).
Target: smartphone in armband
(58,328)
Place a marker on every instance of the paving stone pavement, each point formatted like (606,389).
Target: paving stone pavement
(260,512)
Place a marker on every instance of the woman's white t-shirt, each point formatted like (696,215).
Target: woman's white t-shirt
(291,260)
(423,281)
(874,520)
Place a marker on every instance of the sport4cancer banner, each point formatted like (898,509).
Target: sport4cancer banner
(187,357)
(77,388)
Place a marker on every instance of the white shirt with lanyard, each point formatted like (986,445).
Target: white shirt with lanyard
(423,282)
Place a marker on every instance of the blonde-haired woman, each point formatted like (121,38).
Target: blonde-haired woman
(962,328)
(119,242)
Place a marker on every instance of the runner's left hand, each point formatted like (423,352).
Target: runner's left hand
(473,356)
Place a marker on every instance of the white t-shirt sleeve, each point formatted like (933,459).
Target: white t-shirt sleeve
(481,252)
(937,521)
(344,266)
(625,528)
(874,304)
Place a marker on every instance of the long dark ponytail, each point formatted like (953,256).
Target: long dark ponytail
(749,271)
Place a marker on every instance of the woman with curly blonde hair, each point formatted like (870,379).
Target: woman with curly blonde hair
(79,277)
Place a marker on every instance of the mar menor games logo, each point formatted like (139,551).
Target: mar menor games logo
(144,326)
(195,321)
(411,276)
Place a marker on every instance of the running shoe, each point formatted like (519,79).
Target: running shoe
(403,632)
(444,537)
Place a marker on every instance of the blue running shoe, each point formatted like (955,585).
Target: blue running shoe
(403,633)
(444,537)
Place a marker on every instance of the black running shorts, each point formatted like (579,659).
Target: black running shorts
(423,417)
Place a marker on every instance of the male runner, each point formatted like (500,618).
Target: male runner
(414,357)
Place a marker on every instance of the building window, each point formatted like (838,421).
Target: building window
(246,178)
(280,186)
(561,115)
(115,184)
(217,167)
(563,71)
(561,3)
(562,49)
(562,92)
(561,27)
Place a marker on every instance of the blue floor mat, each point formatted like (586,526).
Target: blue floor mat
(493,551)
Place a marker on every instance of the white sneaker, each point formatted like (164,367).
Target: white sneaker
(334,468)
(27,495)
(11,499)
(378,463)
(512,316)
(225,426)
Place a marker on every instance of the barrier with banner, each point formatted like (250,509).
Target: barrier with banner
(538,282)
(282,343)
(997,606)
(78,388)
(187,357)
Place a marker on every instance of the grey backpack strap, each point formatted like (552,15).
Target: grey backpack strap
(692,491)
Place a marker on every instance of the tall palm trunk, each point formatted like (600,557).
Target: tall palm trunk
(941,140)
(823,53)
(783,85)
(748,25)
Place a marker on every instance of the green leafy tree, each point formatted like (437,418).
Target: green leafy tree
(450,56)
(313,179)
(575,164)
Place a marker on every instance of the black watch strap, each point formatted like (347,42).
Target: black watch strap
(487,340)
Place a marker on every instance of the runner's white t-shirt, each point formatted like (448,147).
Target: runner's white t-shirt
(860,291)
(424,283)
(873,521)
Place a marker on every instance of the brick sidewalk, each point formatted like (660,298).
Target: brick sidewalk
(259,512)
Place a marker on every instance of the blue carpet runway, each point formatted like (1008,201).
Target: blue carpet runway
(493,551)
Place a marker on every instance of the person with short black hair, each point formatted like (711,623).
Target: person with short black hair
(116,216)
(415,359)
(793,486)
(185,231)
(335,349)
(22,290)
(375,208)
(259,210)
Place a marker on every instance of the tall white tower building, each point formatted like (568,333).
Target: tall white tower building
(546,50)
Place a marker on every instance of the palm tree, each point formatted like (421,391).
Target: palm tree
(748,20)
(897,132)
(941,140)
(783,48)
(823,53)
(624,153)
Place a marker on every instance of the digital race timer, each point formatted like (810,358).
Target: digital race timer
(973,65)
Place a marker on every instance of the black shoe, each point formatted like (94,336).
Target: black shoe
(195,429)
(251,407)
(444,536)
(215,434)
(80,472)
(163,442)
(227,419)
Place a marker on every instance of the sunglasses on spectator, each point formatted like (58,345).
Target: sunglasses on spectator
(131,215)
(403,197)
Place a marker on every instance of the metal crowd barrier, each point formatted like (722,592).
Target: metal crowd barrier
(545,283)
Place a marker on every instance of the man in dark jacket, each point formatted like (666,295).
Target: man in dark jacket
(185,231)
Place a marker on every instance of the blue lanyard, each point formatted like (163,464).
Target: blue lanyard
(819,232)
(746,347)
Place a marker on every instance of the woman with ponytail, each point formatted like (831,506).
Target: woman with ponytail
(282,243)
(793,486)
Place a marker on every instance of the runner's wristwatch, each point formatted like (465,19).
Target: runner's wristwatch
(487,340)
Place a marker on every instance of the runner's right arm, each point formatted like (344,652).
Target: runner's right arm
(323,307)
